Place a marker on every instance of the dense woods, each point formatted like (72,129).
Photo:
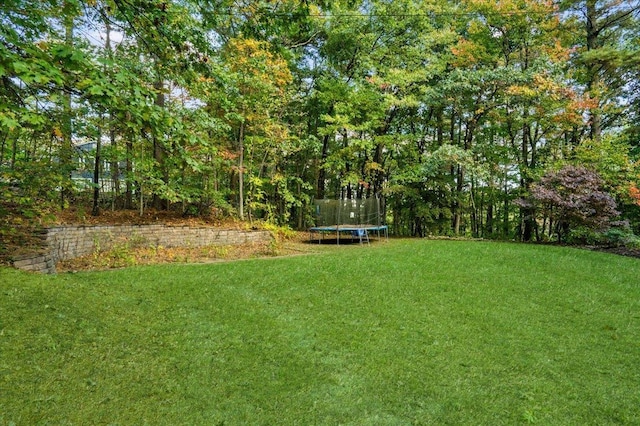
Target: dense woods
(511,119)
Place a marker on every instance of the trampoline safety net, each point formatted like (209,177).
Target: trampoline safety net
(361,211)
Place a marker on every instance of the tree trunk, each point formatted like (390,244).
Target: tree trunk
(66,152)
(453,174)
(241,169)
(457,215)
(322,173)
(5,135)
(440,126)
(476,213)
(505,206)
(95,211)
(128,196)
(379,175)
(595,121)
(115,166)
(160,202)
(527,214)
(115,170)
(489,218)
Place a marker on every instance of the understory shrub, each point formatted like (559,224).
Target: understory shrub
(575,198)
(621,238)
(585,236)
(613,237)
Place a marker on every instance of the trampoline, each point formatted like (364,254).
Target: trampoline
(360,232)
(359,219)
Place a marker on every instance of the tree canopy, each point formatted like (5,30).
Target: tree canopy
(452,111)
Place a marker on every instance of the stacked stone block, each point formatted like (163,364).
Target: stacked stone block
(41,262)
(68,242)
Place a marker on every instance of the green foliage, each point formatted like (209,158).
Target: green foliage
(585,236)
(610,157)
(29,193)
(119,255)
(621,237)
(451,112)
(612,237)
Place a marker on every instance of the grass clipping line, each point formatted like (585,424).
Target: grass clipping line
(409,332)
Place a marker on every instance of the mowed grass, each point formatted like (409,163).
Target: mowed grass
(398,333)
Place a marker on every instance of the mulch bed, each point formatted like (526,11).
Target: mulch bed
(622,251)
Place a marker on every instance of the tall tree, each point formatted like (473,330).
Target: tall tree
(260,80)
(605,25)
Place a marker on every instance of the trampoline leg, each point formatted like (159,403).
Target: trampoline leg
(364,235)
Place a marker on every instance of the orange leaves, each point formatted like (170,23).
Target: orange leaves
(203,79)
(228,155)
(634,193)
(585,103)
(556,52)
(573,112)
(378,82)
(544,83)
(541,86)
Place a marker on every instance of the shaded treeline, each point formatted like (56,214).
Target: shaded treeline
(451,111)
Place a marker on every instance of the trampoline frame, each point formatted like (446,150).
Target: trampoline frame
(360,217)
(359,231)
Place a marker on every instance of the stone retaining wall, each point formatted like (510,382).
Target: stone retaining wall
(68,242)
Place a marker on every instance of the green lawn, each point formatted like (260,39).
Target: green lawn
(398,333)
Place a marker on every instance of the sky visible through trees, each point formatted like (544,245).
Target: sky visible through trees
(455,113)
